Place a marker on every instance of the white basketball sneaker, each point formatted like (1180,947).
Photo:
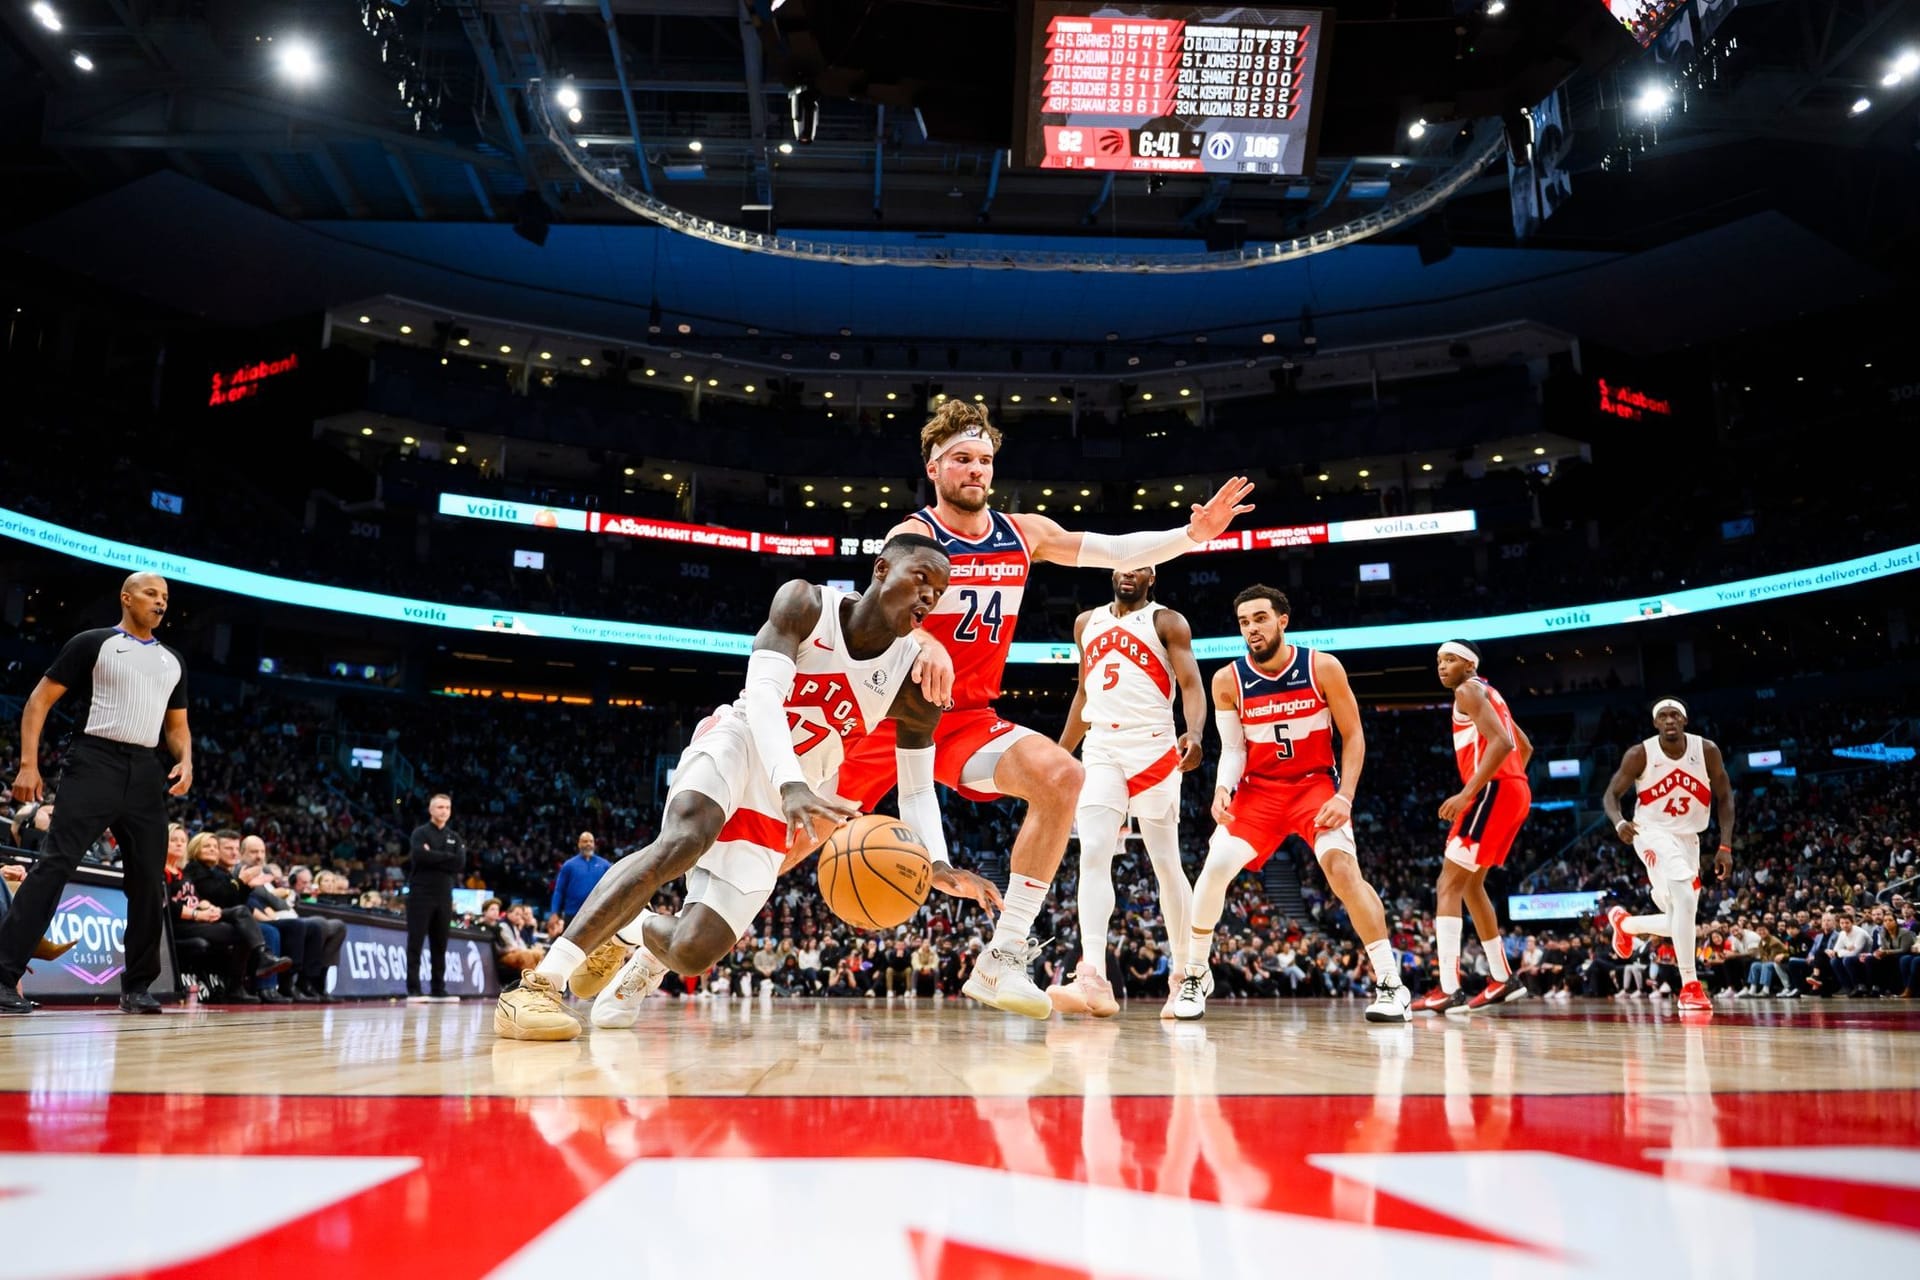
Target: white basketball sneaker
(1391,1004)
(1190,1000)
(1002,978)
(618,1004)
(1169,1009)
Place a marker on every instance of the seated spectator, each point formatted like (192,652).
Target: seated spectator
(926,970)
(848,979)
(230,929)
(511,955)
(1768,961)
(311,942)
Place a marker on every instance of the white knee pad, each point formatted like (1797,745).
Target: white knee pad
(1335,840)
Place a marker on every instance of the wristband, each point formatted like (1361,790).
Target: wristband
(1342,799)
(1726,848)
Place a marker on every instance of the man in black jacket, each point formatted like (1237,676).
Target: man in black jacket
(436,857)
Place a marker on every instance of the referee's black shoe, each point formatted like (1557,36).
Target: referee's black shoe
(138,1002)
(12,1001)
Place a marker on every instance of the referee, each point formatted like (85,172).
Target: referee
(132,689)
(437,858)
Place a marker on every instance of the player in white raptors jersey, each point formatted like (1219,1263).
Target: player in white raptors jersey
(1133,652)
(756,780)
(1674,777)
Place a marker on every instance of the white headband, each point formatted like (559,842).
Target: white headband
(1664,703)
(958,438)
(1461,652)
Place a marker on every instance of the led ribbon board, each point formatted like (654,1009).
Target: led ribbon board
(370,604)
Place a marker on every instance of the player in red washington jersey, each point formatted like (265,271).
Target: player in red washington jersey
(1277,707)
(1487,814)
(1132,654)
(1674,777)
(977,752)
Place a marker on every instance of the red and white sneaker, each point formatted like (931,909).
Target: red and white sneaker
(1622,940)
(1694,999)
(1438,1001)
(1498,993)
(1089,992)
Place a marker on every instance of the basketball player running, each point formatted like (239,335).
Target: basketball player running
(1487,813)
(1674,777)
(1277,707)
(825,668)
(976,752)
(1132,653)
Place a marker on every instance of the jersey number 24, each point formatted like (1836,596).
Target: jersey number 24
(977,617)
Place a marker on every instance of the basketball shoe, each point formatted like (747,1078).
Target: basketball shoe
(1089,992)
(1439,1001)
(532,1011)
(1167,1010)
(1694,999)
(619,1004)
(1498,993)
(1622,940)
(1391,1003)
(592,977)
(1190,1000)
(1002,979)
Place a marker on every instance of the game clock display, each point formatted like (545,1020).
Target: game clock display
(1157,88)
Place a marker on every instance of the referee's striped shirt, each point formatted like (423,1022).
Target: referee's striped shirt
(127,685)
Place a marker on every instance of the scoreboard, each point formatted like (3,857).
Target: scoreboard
(1160,88)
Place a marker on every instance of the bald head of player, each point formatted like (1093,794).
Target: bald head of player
(1670,720)
(1133,587)
(143,603)
(909,577)
(1458,661)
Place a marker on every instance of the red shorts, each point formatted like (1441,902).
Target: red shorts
(1264,814)
(1486,829)
(869,771)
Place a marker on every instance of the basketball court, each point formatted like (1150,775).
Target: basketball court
(936,1139)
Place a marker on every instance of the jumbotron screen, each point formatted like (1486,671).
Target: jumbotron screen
(1172,88)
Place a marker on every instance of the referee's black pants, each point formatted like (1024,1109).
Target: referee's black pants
(106,786)
(429,916)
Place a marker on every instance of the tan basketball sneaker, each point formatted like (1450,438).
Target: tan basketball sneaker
(1089,992)
(592,977)
(1001,977)
(532,1011)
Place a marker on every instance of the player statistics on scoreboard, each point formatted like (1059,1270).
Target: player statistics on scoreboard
(1159,88)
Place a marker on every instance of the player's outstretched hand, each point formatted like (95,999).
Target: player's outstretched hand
(810,816)
(965,884)
(1333,814)
(1222,803)
(933,672)
(1211,518)
(1188,745)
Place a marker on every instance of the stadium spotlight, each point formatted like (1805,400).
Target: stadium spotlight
(1417,130)
(82,61)
(786,148)
(1860,106)
(298,62)
(568,97)
(574,115)
(696,146)
(1495,8)
(1908,62)
(48,18)
(1652,100)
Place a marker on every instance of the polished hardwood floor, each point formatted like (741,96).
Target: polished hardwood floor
(939,1139)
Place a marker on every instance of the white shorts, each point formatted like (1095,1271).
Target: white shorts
(734,877)
(1131,771)
(1668,855)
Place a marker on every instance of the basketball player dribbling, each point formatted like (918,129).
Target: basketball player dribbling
(1132,654)
(826,668)
(1487,814)
(1277,707)
(1674,776)
(977,752)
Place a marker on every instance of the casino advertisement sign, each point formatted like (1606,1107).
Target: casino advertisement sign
(94,918)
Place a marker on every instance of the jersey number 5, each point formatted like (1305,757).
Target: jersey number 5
(1112,673)
(976,617)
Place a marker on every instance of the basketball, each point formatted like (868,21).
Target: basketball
(874,872)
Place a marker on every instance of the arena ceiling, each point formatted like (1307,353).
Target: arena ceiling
(419,116)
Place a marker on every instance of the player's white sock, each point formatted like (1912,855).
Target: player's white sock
(1446,937)
(1099,828)
(1655,925)
(1686,902)
(1024,898)
(562,958)
(1225,857)
(1199,951)
(1386,965)
(1496,953)
(1162,838)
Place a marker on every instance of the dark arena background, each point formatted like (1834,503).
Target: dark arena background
(450,389)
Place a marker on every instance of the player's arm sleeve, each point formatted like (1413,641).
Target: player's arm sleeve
(769,681)
(919,802)
(1233,748)
(1132,550)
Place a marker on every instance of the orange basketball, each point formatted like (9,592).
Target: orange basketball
(874,872)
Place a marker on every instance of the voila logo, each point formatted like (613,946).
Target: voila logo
(1572,618)
(423,613)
